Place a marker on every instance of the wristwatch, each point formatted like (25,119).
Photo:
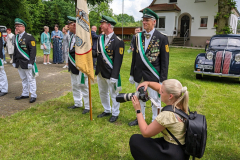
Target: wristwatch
(138,111)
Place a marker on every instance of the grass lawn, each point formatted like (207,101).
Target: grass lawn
(52,131)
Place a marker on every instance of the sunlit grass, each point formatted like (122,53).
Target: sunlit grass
(52,131)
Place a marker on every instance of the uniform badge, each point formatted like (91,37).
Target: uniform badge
(33,43)
(23,42)
(166,48)
(121,50)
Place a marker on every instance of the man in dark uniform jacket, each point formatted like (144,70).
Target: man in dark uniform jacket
(150,59)
(110,49)
(94,45)
(78,79)
(3,76)
(24,59)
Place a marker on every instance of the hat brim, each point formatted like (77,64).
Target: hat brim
(69,22)
(103,20)
(19,23)
(148,16)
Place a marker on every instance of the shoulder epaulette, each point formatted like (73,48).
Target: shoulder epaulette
(119,38)
(163,33)
(29,34)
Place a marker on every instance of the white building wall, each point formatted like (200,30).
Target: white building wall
(169,22)
(195,9)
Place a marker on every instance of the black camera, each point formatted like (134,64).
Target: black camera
(140,94)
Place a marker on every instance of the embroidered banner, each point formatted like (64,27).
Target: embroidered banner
(83,57)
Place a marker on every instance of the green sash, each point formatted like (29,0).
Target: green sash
(109,62)
(82,81)
(1,63)
(25,55)
(145,59)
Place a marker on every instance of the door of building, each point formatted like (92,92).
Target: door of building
(184,25)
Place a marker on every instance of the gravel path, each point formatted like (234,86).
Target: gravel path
(53,81)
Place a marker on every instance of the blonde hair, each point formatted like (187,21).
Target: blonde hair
(179,92)
(45,27)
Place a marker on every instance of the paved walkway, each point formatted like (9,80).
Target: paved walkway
(53,81)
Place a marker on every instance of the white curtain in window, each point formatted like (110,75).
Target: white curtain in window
(233,21)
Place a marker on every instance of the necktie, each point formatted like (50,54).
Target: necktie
(147,35)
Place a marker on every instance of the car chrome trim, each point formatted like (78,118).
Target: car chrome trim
(217,74)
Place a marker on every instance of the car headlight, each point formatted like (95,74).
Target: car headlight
(209,55)
(237,57)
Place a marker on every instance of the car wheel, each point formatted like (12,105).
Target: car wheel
(199,76)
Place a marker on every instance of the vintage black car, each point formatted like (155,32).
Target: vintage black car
(222,58)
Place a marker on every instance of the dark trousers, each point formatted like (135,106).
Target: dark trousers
(155,149)
(94,53)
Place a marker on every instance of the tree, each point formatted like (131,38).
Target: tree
(96,12)
(224,12)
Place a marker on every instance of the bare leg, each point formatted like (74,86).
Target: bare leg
(48,58)
(44,58)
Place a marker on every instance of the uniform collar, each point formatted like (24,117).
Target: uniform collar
(110,35)
(20,35)
(151,32)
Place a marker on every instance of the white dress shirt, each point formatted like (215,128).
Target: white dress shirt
(20,36)
(148,40)
(107,38)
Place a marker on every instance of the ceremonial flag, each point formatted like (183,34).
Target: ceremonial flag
(83,56)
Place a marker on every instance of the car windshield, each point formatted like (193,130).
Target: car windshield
(225,42)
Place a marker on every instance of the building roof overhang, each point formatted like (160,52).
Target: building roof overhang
(162,7)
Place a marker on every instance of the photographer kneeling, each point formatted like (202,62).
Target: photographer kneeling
(164,148)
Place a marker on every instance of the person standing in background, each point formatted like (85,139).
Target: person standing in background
(65,45)
(137,30)
(57,37)
(94,45)
(46,42)
(3,76)
(3,51)
(24,60)
(9,44)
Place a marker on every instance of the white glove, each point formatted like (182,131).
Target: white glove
(30,66)
(14,65)
(113,80)
(131,80)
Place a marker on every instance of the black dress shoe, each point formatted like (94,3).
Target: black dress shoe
(103,114)
(85,111)
(113,118)
(21,97)
(133,123)
(32,99)
(2,93)
(73,107)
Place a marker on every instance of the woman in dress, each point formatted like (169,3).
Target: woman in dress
(57,37)
(65,46)
(47,45)
(9,44)
(164,148)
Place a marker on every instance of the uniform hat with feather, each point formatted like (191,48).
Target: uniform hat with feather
(148,13)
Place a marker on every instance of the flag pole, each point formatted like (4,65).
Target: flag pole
(90,99)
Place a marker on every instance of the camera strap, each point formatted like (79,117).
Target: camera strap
(154,102)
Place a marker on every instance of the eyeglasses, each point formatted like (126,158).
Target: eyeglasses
(18,26)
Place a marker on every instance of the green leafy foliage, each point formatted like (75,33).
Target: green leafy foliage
(222,16)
